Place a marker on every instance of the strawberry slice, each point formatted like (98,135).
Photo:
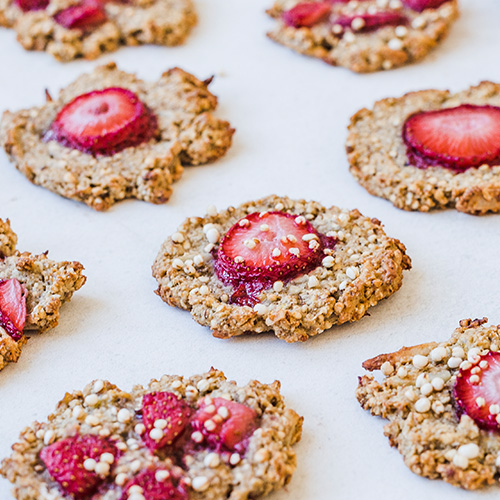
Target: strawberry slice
(29,5)
(225,425)
(13,307)
(155,484)
(167,416)
(372,22)
(455,138)
(420,5)
(477,390)
(307,14)
(266,247)
(103,122)
(65,461)
(84,15)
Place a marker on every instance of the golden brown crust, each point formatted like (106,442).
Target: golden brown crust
(135,22)
(267,465)
(416,396)
(48,284)
(187,130)
(378,160)
(402,356)
(368,267)
(8,239)
(10,350)
(382,49)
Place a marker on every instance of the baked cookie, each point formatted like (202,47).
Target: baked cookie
(110,136)
(32,290)
(71,29)
(201,437)
(442,401)
(431,149)
(362,35)
(292,267)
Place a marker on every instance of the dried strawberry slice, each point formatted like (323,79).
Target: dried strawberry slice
(477,391)
(371,22)
(103,122)
(420,5)
(73,463)
(225,425)
(84,15)
(165,416)
(266,247)
(456,138)
(155,484)
(307,14)
(13,307)
(31,5)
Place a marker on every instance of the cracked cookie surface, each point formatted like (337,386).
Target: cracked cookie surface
(187,132)
(135,22)
(105,411)
(48,283)
(416,396)
(364,51)
(365,267)
(378,159)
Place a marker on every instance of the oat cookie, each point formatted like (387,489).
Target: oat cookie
(71,29)
(292,267)
(201,437)
(437,398)
(32,290)
(170,123)
(364,35)
(379,160)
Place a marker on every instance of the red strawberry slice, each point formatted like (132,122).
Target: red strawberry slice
(372,22)
(65,463)
(307,14)
(29,5)
(225,424)
(266,247)
(103,122)
(477,390)
(156,484)
(13,307)
(420,5)
(84,15)
(455,138)
(168,414)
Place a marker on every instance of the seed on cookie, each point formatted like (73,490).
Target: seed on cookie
(455,419)
(205,443)
(362,35)
(431,149)
(302,263)
(110,136)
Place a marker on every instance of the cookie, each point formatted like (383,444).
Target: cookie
(32,290)
(292,267)
(410,150)
(71,29)
(133,140)
(201,437)
(365,35)
(437,399)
